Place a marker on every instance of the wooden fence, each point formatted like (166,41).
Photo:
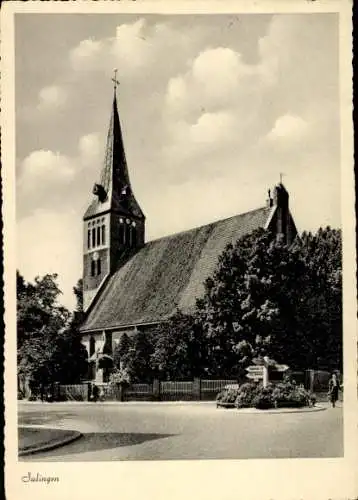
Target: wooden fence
(75,392)
(194,390)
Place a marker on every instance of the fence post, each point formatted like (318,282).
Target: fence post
(121,392)
(311,377)
(196,389)
(156,389)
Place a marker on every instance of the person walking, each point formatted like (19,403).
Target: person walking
(333,389)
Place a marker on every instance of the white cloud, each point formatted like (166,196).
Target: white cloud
(50,179)
(45,166)
(83,56)
(131,49)
(51,97)
(89,147)
(50,242)
(214,80)
(213,128)
(288,128)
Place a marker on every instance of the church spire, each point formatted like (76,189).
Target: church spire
(114,190)
(114,176)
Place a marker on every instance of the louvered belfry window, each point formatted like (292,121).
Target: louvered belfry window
(96,233)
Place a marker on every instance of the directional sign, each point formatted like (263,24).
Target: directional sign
(255,376)
(281,368)
(255,369)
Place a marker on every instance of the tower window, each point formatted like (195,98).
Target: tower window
(103,234)
(127,234)
(94,237)
(121,232)
(89,238)
(134,237)
(93,267)
(99,267)
(98,235)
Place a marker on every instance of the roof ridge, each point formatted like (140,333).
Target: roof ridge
(205,225)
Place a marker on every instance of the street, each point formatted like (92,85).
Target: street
(164,431)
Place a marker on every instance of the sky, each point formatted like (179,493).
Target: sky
(213,108)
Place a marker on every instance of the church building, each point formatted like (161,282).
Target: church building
(130,284)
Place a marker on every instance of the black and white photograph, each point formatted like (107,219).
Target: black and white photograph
(180,230)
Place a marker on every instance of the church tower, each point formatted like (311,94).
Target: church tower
(114,223)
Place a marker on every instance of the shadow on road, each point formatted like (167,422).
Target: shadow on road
(96,441)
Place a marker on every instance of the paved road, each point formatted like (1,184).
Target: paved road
(160,431)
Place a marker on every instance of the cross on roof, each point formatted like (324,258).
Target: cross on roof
(114,80)
(281,176)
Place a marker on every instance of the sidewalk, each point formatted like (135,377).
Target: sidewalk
(212,404)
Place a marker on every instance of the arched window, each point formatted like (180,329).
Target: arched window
(93,267)
(121,232)
(134,236)
(93,237)
(98,267)
(98,235)
(103,234)
(89,238)
(92,345)
(127,234)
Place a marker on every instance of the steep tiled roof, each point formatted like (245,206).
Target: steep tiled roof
(167,273)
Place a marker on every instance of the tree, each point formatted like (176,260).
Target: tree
(266,298)
(40,318)
(179,348)
(133,354)
(70,355)
(49,345)
(121,351)
(320,307)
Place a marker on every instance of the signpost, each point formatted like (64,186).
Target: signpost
(260,370)
(255,372)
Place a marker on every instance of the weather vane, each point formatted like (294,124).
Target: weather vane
(114,80)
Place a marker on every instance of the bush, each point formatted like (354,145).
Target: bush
(120,376)
(245,395)
(263,400)
(282,395)
(288,395)
(227,396)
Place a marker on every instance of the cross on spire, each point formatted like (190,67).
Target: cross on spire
(281,176)
(114,79)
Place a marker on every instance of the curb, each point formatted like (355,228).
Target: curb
(276,411)
(51,446)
